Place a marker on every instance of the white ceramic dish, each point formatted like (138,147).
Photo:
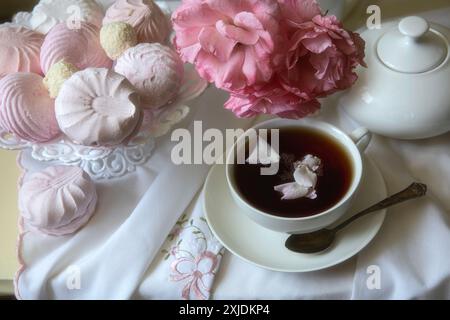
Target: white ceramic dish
(404,91)
(265,248)
(355,144)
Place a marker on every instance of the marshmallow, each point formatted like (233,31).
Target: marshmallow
(26,108)
(145,16)
(80,47)
(155,70)
(19,50)
(58,200)
(98,107)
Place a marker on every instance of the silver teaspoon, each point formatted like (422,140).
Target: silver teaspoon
(320,240)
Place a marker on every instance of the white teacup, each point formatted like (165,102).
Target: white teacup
(355,144)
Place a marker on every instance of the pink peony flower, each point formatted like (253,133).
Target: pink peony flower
(321,58)
(272,99)
(231,43)
(274,56)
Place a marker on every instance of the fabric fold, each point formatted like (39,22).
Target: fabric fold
(113,252)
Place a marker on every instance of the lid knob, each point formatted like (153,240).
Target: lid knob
(414,27)
(412,46)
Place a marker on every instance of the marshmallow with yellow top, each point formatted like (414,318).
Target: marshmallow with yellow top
(57,75)
(116,37)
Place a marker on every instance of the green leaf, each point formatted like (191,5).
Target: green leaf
(167,257)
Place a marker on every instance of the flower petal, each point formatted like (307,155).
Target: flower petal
(318,44)
(229,74)
(195,15)
(250,67)
(216,44)
(230,8)
(248,21)
(292,191)
(189,54)
(305,177)
(237,34)
(187,36)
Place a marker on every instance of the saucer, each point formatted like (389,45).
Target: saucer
(265,248)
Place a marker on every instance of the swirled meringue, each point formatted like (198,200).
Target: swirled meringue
(80,47)
(155,70)
(19,50)
(98,107)
(26,108)
(48,13)
(22,18)
(58,200)
(145,16)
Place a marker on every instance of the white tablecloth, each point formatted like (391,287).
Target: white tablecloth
(410,251)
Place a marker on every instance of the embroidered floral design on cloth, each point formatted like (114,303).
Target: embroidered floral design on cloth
(195,257)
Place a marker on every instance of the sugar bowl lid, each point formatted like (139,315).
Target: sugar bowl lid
(412,46)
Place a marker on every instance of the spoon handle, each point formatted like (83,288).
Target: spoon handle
(415,190)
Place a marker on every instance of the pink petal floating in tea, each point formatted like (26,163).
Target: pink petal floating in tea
(305,176)
(292,191)
(313,163)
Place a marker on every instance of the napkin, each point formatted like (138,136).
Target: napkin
(135,216)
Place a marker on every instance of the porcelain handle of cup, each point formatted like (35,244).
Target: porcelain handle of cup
(361,137)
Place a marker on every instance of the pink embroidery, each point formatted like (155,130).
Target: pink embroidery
(174,250)
(195,271)
(195,256)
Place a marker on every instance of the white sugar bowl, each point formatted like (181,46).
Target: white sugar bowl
(405,91)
